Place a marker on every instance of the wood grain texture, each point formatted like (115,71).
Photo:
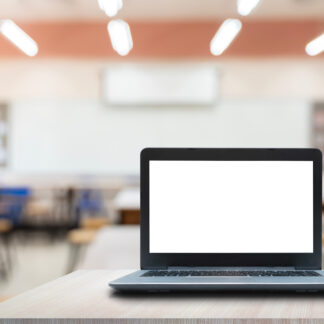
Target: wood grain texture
(85,295)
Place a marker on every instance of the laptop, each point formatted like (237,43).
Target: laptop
(229,219)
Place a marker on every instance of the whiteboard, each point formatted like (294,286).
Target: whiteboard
(85,137)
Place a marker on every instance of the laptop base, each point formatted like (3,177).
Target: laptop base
(137,283)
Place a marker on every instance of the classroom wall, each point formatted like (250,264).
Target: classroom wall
(86,137)
(59,124)
(239,78)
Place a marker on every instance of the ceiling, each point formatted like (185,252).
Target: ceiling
(76,10)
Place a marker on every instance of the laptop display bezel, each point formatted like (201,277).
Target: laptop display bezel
(297,260)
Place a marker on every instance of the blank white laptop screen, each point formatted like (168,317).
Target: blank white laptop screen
(231,206)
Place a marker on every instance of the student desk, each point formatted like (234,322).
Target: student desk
(84,295)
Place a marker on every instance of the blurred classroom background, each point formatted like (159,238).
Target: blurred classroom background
(86,84)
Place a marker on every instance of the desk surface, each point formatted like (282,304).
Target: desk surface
(115,247)
(84,294)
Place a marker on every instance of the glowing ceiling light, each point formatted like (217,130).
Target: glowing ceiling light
(18,37)
(316,46)
(120,36)
(225,35)
(244,7)
(110,7)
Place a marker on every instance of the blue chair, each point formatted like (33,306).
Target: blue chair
(12,203)
(90,202)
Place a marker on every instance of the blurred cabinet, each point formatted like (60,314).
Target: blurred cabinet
(130,216)
(127,203)
(3,135)
(318,125)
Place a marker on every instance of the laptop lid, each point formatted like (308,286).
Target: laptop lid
(231,207)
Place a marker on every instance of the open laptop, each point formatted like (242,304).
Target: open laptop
(229,219)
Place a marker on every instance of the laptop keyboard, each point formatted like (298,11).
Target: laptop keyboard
(208,273)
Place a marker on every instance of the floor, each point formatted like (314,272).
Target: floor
(37,258)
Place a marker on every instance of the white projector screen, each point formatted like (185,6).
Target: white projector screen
(231,206)
(194,84)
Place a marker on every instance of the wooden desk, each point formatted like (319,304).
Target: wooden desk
(84,295)
(115,247)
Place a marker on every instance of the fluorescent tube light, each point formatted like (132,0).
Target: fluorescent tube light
(316,46)
(110,7)
(225,35)
(244,7)
(120,36)
(18,37)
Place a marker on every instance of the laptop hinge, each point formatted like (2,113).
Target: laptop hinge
(181,268)
(307,268)
(230,268)
(155,268)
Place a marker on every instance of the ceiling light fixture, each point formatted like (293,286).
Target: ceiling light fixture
(120,36)
(316,46)
(110,7)
(18,37)
(225,35)
(244,7)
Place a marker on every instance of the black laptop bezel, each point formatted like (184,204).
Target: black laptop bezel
(297,260)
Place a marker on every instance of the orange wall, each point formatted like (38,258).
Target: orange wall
(167,40)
